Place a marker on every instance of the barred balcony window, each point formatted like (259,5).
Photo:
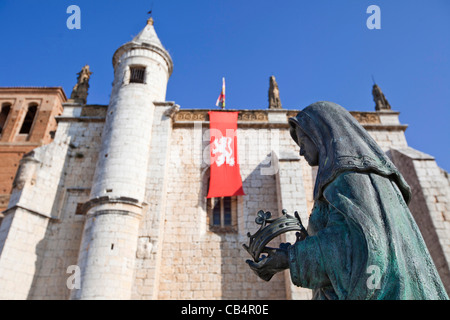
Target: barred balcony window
(137,74)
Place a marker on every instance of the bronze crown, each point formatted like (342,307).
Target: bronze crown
(271,228)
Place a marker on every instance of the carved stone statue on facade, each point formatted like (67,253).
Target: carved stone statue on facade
(274,94)
(381,102)
(80,90)
(362,241)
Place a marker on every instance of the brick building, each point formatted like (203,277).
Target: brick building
(120,195)
(27,121)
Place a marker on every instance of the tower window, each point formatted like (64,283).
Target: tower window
(137,74)
(6,108)
(29,118)
(79,209)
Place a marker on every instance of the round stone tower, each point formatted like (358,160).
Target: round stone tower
(142,69)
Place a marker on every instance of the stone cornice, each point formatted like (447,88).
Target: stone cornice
(106,200)
(79,119)
(35,90)
(191,115)
(146,46)
(164,103)
(20,206)
(260,118)
(388,127)
(246,118)
(94,111)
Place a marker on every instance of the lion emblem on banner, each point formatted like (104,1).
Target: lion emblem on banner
(222,149)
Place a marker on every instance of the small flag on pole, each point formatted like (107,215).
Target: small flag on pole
(221,100)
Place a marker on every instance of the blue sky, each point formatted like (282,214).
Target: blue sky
(317,50)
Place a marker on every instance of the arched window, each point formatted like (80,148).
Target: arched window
(29,118)
(5,109)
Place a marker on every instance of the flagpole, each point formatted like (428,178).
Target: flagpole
(223,89)
(221,99)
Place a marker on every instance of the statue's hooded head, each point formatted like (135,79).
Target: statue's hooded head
(341,144)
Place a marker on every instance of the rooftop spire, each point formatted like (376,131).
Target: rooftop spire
(150,20)
(381,102)
(148,34)
(147,39)
(274,94)
(80,90)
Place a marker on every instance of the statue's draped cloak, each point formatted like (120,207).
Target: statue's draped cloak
(364,243)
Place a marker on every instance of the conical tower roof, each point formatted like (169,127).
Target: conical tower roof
(148,35)
(146,39)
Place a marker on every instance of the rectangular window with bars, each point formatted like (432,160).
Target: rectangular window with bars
(222,213)
(137,74)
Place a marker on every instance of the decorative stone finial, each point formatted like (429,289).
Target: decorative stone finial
(381,102)
(80,90)
(150,21)
(274,94)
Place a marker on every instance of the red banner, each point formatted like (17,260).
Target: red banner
(225,178)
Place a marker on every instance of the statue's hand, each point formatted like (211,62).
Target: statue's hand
(277,260)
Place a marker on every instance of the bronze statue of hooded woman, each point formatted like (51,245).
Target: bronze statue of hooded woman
(363,242)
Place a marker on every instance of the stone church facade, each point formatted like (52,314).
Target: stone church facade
(117,201)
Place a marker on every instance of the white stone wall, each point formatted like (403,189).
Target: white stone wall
(25,227)
(38,186)
(107,246)
(387,139)
(292,197)
(62,241)
(22,234)
(201,264)
(430,204)
(151,230)
(123,159)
